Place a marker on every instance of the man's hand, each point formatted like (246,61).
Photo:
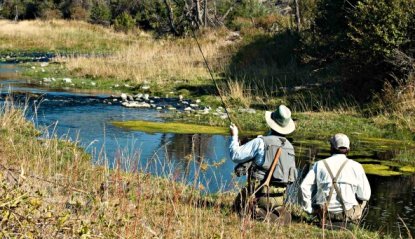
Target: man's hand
(234,129)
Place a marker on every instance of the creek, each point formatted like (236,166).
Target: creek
(201,160)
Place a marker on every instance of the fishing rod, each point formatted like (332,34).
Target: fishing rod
(210,72)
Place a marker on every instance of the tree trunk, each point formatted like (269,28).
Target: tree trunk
(198,15)
(205,22)
(297,15)
(16,17)
(171,17)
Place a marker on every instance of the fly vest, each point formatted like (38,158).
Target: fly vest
(285,172)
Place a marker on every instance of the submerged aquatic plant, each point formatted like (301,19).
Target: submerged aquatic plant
(380,170)
(173,127)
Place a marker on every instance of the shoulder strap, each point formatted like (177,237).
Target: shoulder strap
(334,181)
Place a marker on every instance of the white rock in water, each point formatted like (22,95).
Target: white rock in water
(33,67)
(93,83)
(185,102)
(159,108)
(171,108)
(67,80)
(116,85)
(44,64)
(126,85)
(146,96)
(53,79)
(145,87)
(194,105)
(130,98)
(198,101)
(156,97)
(135,104)
(138,96)
(46,80)
(123,97)
(143,105)
(43,70)
(180,97)
(114,100)
(205,112)
(188,109)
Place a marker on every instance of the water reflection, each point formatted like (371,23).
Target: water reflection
(392,197)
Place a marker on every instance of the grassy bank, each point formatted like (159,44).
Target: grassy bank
(49,188)
(56,36)
(133,59)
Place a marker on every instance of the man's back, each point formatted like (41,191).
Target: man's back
(352,183)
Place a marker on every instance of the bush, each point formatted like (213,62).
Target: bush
(364,36)
(77,12)
(49,14)
(100,13)
(124,22)
(378,27)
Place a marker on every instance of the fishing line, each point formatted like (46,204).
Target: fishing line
(210,72)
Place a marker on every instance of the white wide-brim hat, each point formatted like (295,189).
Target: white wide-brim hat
(280,120)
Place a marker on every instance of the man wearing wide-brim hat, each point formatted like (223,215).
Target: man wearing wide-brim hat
(255,157)
(336,188)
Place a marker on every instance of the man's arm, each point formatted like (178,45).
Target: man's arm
(363,188)
(246,152)
(306,190)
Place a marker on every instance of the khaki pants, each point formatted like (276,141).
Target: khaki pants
(352,215)
(275,200)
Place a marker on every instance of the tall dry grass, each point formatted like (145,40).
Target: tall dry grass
(236,93)
(155,61)
(59,35)
(397,103)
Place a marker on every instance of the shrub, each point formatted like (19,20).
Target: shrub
(77,12)
(100,13)
(124,22)
(49,14)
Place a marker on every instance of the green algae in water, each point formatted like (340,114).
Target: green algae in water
(174,127)
(380,170)
(407,169)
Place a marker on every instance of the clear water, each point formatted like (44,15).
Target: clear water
(196,159)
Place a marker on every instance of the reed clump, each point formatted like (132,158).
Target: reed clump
(396,104)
